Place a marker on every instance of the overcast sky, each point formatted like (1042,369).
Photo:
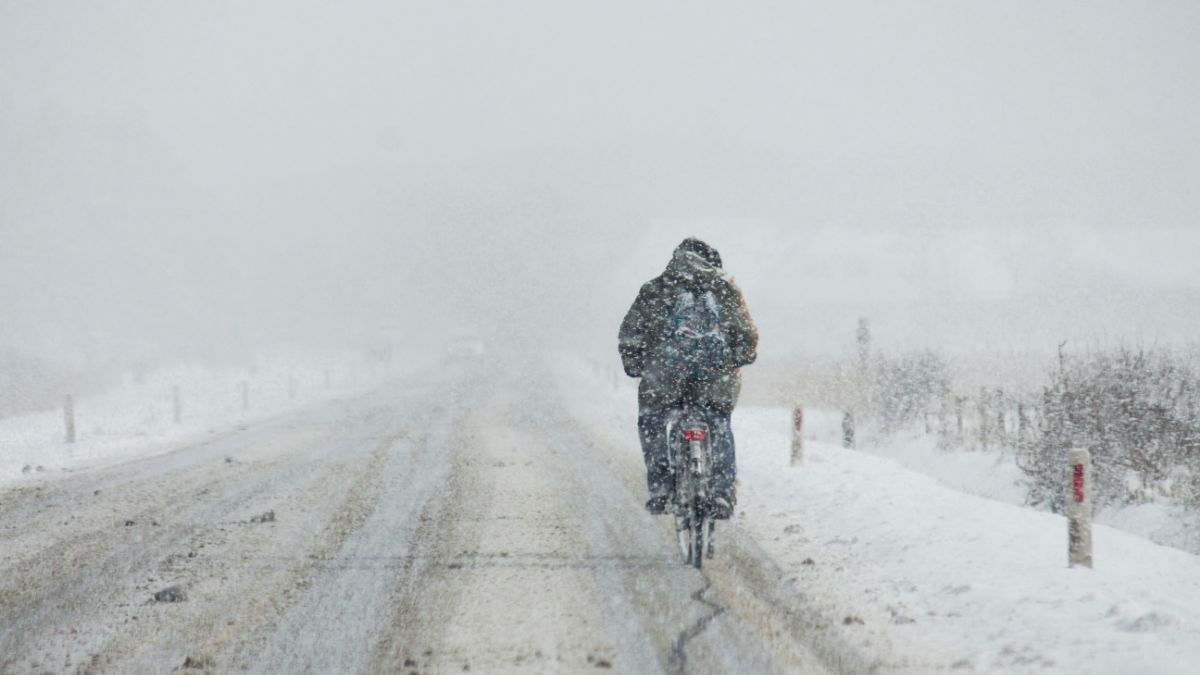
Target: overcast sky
(191,171)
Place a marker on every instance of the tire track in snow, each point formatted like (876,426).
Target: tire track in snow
(251,620)
(340,618)
(73,598)
(495,583)
(89,589)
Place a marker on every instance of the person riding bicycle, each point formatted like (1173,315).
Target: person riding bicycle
(686,335)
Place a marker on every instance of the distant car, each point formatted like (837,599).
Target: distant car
(464,348)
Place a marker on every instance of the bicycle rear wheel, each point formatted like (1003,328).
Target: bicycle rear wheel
(698,533)
(709,526)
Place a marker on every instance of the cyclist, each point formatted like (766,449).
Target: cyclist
(687,334)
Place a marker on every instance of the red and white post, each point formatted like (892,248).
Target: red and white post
(797,435)
(1079,508)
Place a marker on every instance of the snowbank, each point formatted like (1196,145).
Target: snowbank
(994,474)
(138,419)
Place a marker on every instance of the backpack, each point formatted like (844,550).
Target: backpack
(694,347)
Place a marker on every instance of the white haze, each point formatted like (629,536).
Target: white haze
(196,180)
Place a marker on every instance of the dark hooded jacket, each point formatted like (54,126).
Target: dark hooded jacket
(646,324)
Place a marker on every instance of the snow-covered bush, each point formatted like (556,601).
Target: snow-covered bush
(1137,411)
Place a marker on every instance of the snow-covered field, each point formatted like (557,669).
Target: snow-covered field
(138,418)
(937,578)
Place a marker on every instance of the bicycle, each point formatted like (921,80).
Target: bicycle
(689,454)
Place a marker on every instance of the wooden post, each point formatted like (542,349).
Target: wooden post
(245,396)
(1001,419)
(1022,425)
(984,422)
(1079,508)
(69,417)
(176,404)
(848,430)
(797,435)
(943,423)
(866,379)
(958,412)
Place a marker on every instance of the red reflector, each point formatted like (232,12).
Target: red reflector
(1078,482)
(695,434)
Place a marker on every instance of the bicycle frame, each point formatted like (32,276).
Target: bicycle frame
(689,453)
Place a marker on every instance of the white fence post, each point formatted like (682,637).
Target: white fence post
(69,417)
(797,435)
(1079,508)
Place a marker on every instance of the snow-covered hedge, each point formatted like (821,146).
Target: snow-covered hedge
(1137,411)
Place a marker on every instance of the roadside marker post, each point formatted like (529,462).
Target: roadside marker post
(1079,508)
(69,417)
(797,435)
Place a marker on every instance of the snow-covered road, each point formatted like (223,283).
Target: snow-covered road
(454,522)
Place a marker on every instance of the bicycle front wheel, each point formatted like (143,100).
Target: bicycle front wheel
(683,534)
(698,531)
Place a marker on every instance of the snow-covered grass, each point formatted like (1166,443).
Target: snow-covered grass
(994,474)
(939,577)
(137,418)
(990,474)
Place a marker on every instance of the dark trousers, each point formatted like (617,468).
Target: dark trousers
(652,428)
